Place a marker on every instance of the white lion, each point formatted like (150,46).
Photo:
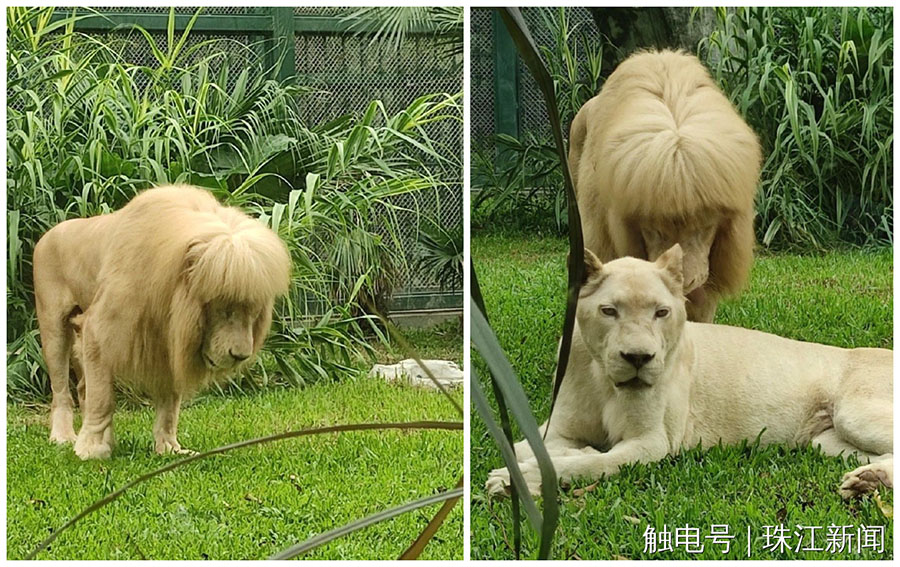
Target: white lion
(170,292)
(643,383)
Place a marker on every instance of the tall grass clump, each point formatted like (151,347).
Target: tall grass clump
(87,129)
(817,86)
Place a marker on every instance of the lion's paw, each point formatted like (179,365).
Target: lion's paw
(498,481)
(172,447)
(86,449)
(866,479)
(61,429)
(62,436)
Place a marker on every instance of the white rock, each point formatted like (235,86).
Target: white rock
(444,371)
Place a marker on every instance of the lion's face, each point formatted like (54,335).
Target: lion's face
(631,314)
(695,239)
(228,339)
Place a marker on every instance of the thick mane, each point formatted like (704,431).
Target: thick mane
(235,258)
(179,249)
(673,142)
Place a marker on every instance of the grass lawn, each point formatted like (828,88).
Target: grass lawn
(253,502)
(840,298)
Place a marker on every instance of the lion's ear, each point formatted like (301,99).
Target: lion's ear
(592,265)
(672,262)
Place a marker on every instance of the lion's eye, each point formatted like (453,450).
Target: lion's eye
(662,312)
(609,311)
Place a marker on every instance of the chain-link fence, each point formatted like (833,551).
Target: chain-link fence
(531,114)
(346,68)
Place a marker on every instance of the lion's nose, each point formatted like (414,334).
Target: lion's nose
(238,356)
(636,359)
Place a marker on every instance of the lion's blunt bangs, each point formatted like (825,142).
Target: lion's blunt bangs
(244,263)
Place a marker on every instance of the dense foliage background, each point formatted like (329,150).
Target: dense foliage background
(814,83)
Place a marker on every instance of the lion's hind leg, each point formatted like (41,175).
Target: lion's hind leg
(57,338)
(864,424)
(869,477)
(96,438)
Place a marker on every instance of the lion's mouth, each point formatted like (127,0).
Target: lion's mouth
(635,383)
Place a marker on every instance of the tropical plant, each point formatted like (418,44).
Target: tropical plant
(817,86)
(394,23)
(519,181)
(440,254)
(87,129)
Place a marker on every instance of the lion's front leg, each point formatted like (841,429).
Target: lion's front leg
(646,449)
(498,481)
(588,463)
(165,428)
(96,439)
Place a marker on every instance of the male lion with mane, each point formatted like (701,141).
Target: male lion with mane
(642,383)
(171,292)
(660,157)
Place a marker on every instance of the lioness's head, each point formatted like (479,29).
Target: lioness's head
(631,313)
(233,333)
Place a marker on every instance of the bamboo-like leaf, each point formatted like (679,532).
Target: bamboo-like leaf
(418,546)
(485,341)
(322,539)
(517,29)
(505,426)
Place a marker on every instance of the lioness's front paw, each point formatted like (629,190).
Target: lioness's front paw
(498,481)
(87,448)
(866,479)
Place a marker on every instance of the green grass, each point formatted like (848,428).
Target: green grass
(842,298)
(249,503)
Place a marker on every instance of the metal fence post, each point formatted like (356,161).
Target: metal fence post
(506,80)
(283,38)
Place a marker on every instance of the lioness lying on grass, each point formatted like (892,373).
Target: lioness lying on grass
(642,383)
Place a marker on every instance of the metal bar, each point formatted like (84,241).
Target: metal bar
(506,80)
(426,301)
(283,35)
(239,24)
(331,24)
(405,301)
